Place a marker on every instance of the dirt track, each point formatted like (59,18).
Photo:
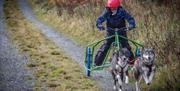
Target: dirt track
(14,76)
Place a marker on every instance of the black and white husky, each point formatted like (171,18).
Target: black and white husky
(119,68)
(144,67)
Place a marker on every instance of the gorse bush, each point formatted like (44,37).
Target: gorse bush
(158,26)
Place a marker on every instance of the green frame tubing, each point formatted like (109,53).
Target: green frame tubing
(89,53)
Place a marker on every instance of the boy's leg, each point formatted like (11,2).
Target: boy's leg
(101,54)
(125,44)
(131,57)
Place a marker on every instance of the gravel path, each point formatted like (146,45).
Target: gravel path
(103,78)
(13,73)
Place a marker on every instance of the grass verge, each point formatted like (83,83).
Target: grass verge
(53,70)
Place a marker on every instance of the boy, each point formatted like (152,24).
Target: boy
(115,17)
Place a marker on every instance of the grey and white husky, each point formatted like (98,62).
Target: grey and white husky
(144,67)
(119,68)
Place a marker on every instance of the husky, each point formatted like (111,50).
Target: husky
(144,67)
(119,68)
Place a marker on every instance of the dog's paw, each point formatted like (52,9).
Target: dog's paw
(127,80)
(114,87)
(118,76)
(117,66)
(120,89)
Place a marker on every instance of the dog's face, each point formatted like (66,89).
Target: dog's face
(122,60)
(123,57)
(148,55)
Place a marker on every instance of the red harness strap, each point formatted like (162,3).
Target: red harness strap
(137,61)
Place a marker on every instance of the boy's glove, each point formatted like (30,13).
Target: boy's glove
(100,27)
(130,28)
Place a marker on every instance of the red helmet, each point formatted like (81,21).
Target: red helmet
(113,3)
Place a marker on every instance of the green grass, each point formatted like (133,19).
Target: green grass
(157,26)
(52,69)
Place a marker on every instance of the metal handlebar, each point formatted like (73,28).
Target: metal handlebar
(117,29)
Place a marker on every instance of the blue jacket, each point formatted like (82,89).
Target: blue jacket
(116,21)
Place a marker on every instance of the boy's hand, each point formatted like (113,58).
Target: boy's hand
(100,27)
(130,28)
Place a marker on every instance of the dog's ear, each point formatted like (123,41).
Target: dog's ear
(153,48)
(142,49)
